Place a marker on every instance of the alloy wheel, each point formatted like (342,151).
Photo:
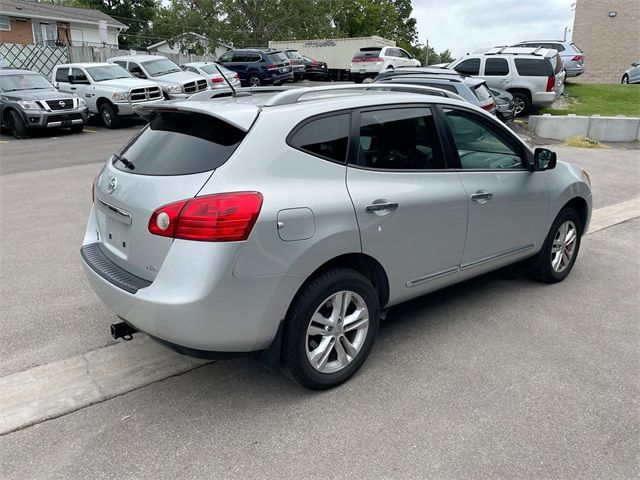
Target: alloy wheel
(337,331)
(519,105)
(564,246)
(106,117)
(254,82)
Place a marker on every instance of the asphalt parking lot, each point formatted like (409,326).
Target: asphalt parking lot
(499,377)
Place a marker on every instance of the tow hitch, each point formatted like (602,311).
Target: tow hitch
(122,330)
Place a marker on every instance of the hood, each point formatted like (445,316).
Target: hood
(126,83)
(49,94)
(177,78)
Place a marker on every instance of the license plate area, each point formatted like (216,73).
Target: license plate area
(362,70)
(115,227)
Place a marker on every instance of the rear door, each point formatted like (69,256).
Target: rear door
(508,203)
(168,161)
(411,210)
(497,69)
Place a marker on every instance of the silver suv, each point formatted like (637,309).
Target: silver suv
(571,55)
(288,223)
(534,76)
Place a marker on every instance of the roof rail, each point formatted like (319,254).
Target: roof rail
(294,95)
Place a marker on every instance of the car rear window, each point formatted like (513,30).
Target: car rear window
(534,67)
(277,57)
(368,52)
(179,143)
(482,93)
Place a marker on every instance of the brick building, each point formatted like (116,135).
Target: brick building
(27,22)
(608,31)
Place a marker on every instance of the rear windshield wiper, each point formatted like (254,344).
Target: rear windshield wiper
(124,161)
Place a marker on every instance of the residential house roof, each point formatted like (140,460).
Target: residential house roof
(31,9)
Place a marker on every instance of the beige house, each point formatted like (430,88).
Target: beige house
(608,32)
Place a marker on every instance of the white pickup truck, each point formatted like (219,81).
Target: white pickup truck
(109,90)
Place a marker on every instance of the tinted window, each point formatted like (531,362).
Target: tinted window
(479,146)
(277,57)
(368,52)
(181,143)
(404,54)
(470,67)
(534,67)
(226,57)
(496,67)
(326,137)
(399,139)
(62,75)
(122,63)
(78,75)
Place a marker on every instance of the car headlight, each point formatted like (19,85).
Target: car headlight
(28,105)
(120,97)
(174,89)
(585,176)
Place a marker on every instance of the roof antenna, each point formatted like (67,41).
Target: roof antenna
(226,80)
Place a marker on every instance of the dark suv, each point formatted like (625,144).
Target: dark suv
(28,101)
(257,67)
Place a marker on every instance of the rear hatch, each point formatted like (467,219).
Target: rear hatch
(168,161)
(365,55)
(279,62)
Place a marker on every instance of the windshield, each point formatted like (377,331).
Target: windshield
(161,66)
(294,54)
(211,69)
(107,72)
(20,81)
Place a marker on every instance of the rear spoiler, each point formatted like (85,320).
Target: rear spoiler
(241,116)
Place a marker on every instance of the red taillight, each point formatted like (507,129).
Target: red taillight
(235,75)
(551,82)
(577,58)
(224,217)
(315,64)
(357,59)
(489,107)
(217,79)
(372,59)
(271,67)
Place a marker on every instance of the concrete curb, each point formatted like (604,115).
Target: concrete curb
(58,388)
(602,129)
(61,387)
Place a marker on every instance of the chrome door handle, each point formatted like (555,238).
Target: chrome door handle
(481,197)
(381,208)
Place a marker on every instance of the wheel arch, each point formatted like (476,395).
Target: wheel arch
(580,206)
(101,101)
(521,90)
(362,263)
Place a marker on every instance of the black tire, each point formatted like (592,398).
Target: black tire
(310,298)
(541,263)
(109,115)
(625,79)
(524,101)
(18,129)
(254,81)
(77,128)
(358,79)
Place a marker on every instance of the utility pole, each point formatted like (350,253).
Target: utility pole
(427,56)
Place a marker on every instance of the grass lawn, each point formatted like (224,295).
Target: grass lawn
(599,99)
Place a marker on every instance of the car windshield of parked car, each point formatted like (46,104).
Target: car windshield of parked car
(12,83)
(161,66)
(294,54)
(107,72)
(212,70)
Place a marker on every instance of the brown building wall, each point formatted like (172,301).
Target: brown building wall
(610,44)
(20,32)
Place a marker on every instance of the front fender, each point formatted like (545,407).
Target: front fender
(565,183)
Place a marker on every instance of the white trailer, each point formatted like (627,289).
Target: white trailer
(335,52)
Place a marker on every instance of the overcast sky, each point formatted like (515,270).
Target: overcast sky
(464,25)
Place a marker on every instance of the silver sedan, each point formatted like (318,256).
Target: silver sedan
(211,71)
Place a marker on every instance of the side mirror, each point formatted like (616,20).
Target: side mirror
(544,159)
(634,64)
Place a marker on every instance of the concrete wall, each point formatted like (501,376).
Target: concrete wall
(603,129)
(610,44)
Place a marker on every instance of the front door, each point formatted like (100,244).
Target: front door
(411,210)
(508,203)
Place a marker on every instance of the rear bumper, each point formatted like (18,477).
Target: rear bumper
(543,98)
(195,302)
(278,77)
